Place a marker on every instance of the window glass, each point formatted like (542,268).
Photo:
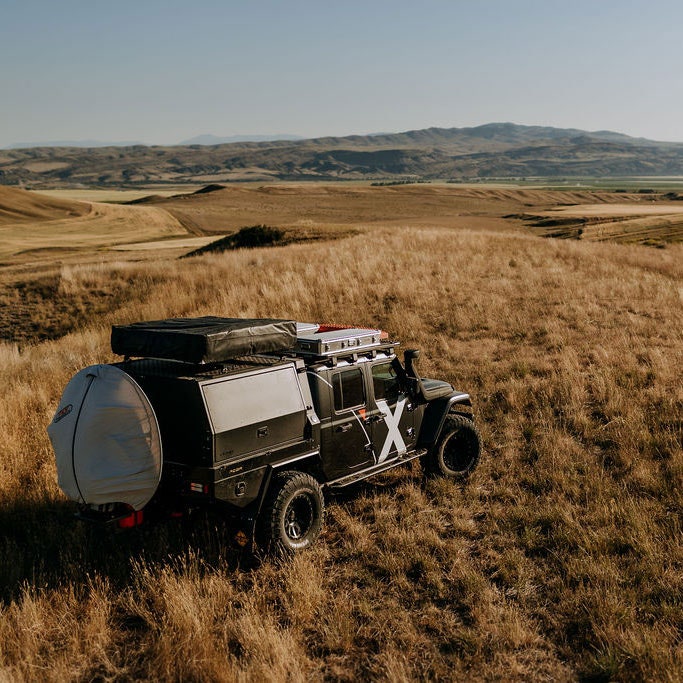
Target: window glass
(348,390)
(241,401)
(337,389)
(385,382)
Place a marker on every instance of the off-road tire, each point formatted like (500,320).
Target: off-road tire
(292,516)
(457,451)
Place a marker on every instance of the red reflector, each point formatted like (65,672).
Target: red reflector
(131,521)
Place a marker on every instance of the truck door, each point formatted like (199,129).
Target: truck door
(391,416)
(351,445)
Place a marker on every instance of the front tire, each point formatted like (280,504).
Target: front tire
(457,451)
(292,517)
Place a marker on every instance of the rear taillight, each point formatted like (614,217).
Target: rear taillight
(131,521)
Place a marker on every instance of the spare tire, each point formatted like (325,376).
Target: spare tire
(106,439)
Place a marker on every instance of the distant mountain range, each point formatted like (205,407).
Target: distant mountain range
(206,139)
(493,150)
(72,143)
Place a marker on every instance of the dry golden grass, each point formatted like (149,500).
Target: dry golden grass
(561,559)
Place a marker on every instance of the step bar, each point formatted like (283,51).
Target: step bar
(376,469)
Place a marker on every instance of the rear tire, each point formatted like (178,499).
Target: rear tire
(457,450)
(292,517)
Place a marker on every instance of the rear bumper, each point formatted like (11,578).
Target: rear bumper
(117,518)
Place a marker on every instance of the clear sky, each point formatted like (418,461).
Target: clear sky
(160,71)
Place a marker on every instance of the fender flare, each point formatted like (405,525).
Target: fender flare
(272,468)
(435,416)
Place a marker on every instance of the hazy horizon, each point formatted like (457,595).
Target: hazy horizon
(208,139)
(164,72)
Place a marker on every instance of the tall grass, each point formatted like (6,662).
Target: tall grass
(561,559)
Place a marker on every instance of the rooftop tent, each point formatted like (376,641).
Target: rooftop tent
(203,340)
(106,439)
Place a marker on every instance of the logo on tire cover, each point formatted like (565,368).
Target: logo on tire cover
(392,421)
(63,413)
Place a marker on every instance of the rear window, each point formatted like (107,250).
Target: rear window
(242,401)
(348,389)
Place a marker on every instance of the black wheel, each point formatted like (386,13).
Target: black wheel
(292,517)
(457,451)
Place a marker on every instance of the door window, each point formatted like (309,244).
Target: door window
(385,382)
(348,389)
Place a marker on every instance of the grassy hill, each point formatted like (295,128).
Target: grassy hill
(561,559)
(36,229)
(653,219)
(40,232)
(492,150)
(18,206)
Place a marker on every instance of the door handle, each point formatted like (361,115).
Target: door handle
(374,418)
(345,427)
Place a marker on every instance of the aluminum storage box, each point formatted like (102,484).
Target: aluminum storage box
(334,341)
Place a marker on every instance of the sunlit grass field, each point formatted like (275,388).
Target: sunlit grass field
(560,559)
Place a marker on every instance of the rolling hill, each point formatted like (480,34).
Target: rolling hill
(19,206)
(39,231)
(36,229)
(489,151)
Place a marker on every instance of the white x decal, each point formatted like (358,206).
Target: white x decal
(392,422)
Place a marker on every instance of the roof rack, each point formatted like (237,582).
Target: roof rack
(163,367)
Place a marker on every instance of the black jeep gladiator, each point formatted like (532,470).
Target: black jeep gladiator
(257,416)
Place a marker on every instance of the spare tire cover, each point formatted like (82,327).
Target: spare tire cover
(106,439)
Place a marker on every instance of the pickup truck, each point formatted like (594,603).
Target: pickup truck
(259,417)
